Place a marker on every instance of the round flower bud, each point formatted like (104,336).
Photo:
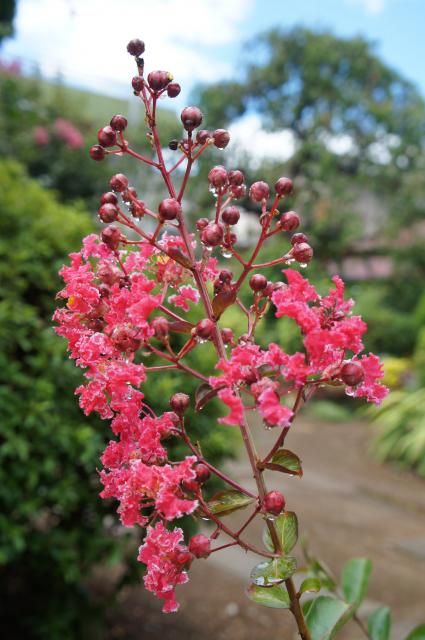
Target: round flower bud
(274,502)
(202,136)
(137,208)
(124,338)
(137,83)
(302,252)
(283,186)
(227,335)
(191,118)
(239,192)
(200,546)
(158,80)
(225,275)
(204,329)
(217,177)
(97,152)
(111,236)
(136,47)
(230,215)
(297,238)
(212,235)
(118,182)
(352,373)
(129,194)
(179,402)
(236,178)
(202,473)
(191,486)
(118,122)
(173,89)
(108,212)
(169,209)
(221,138)
(173,145)
(201,223)
(107,136)
(258,282)
(259,191)
(161,327)
(290,221)
(109,197)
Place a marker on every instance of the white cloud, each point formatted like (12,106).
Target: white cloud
(250,140)
(372,7)
(85,40)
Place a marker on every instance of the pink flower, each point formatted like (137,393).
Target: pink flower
(370,388)
(161,552)
(69,133)
(185,295)
(273,413)
(235,405)
(41,136)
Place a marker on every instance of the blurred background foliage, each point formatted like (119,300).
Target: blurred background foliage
(358,133)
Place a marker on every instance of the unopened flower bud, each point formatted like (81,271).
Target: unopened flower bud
(97,152)
(212,235)
(108,212)
(283,186)
(161,327)
(119,122)
(179,402)
(231,215)
(173,89)
(225,275)
(192,486)
(124,338)
(111,236)
(239,192)
(236,178)
(169,209)
(202,136)
(274,502)
(118,182)
(221,138)
(109,197)
(136,47)
(202,473)
(129,194)
(258,282)
(302,252)
(107,136)
(158,80)
(173,145)
(227,335)
(200,546)
(297,238)
(217,177)
(183,558)
(352,373)
(259,191)
(201,223)
(204,329)
(191,118)
(137,83)
(290,221)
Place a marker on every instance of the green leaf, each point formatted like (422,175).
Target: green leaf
(275,597)
(287,529)
(287,462)
(417,634)
(355,579)
(312,585)
(379,624)
(325,616)
(226,502)
(273,571)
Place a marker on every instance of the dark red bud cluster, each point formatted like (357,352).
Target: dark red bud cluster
(179,403)
(136,47)
(118,122)
(221,138)
(212,235)
(258,282)
(202,136)
(283,186)
(217,177)
(204,329)
(302,252)
(111,236)
(231,215)
(158,80)
(108,212)
(118,182)
(107,136)
(289,221)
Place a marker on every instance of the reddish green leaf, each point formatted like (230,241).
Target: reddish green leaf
(285,461)
(228,501)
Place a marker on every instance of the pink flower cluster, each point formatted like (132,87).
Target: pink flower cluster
(64,130)
(124,299)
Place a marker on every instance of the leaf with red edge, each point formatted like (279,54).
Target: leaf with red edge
(203,394)
(226,502)
(285,461)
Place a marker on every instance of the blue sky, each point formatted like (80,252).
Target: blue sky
(84,40)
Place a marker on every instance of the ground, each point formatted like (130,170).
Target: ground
(348,505)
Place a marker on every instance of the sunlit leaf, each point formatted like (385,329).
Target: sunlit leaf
(287,530)
(310,585)
(275,597)
(273,571)
(228,501)
(325,616)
